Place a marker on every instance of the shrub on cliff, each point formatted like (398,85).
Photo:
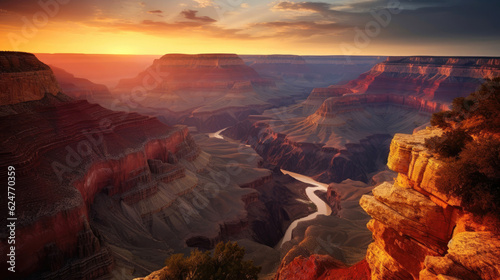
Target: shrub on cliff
(480,111)
(470,147)
(226,263)
(450,144)
(475,176)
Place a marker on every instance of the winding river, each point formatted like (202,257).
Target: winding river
(217,134)
(321,206)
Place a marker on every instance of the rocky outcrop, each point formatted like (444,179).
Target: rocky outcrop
(24,78)
(322,267)
(431,78)
(421,232)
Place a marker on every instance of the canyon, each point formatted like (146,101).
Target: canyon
(112,194)
(113,179)
(343,131)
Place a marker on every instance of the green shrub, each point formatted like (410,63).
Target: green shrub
(475,176)
(450,144)
(226,263)
(472,169)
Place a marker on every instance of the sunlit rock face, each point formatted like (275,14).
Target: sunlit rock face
(24,78)
(431,78)
(322,267)
(420,232)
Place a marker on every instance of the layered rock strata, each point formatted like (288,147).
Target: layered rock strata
(420,232)
(24,78)
(431,78)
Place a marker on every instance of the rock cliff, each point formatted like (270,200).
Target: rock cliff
(24,78)
(431,78)
(420,232)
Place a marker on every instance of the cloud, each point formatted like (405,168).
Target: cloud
(204,3)
(303,6)
(155,12)
(301,28)
(191,14)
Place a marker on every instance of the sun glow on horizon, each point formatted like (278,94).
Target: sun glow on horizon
(260,27)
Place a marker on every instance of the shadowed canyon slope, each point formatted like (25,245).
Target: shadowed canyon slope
(103,193)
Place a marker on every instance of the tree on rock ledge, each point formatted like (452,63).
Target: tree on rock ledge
(470,148)
(226,263)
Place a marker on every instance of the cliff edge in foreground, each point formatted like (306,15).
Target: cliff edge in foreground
(420,232)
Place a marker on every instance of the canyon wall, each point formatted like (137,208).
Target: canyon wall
(431,78)
(24,78)
(80,150)
(420,232)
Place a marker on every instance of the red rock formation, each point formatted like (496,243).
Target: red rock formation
(203,71)
(431,78)
(420,232)
(209,91)
(24,78)
(333,199)
(75,151)
(322,267)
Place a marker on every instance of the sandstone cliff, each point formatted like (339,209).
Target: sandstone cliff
(24,78)
(420,232)
(431,78)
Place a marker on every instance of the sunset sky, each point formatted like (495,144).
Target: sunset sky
(334,27)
